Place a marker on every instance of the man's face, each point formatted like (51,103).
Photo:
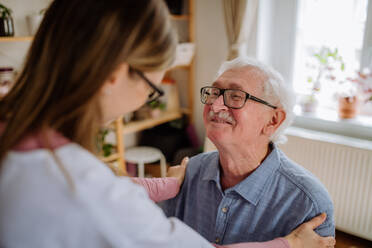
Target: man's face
(237,126)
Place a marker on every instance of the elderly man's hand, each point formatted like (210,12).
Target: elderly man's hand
(304,236)
(178,171)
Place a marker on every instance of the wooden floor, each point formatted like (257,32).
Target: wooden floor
(344,240)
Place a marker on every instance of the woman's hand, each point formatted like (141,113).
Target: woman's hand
(305,237)
(178,171)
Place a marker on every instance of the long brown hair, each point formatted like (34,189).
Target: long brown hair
(78,45)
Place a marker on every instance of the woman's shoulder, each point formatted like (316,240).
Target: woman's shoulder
(44,174)
(97,203)
(83,168)
(70,154)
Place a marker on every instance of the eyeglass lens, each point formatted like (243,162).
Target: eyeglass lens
(232,98)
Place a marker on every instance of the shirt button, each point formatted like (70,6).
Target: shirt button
(225,209)
(217,240)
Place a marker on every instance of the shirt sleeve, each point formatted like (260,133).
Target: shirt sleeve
(276,243)
(327,228)
(159,189)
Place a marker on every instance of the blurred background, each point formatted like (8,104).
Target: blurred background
(321,47)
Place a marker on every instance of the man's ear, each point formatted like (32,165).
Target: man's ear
(276,120)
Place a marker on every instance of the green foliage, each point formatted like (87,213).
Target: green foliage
(328,57)
(328,62)
(106,148)
(5,12)
(42,11)
(157,104)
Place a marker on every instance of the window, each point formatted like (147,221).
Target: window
(290,32)
(322,25)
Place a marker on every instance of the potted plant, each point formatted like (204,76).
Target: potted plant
(326,64)
(309,103)
(150,110)
(34,20)
(156,108)
(104,148)
(348,101)
(363,80)
(6,21)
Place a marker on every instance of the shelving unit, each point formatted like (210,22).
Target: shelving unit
(117,157)
(11,39)
(137,126)
(186,67)
(110,158)
(180,17)
(16,39)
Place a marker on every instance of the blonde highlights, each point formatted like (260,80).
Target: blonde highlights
(78,45)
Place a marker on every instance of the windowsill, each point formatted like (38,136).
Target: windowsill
(328,121)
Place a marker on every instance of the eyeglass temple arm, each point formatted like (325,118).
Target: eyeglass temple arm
(140,73)
(260,101)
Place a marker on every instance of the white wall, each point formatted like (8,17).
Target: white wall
(276,35)
(211,51)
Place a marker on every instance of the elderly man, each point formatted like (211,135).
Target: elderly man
(248,190)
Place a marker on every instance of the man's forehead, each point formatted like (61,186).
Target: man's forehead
(239,78)
(231,83)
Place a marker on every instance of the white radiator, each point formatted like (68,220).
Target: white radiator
(344,165)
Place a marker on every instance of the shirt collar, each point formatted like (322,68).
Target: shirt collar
(212,170)
(46,138)
(252,187)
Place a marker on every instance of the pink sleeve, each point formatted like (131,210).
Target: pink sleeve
(276,243)
(159,189)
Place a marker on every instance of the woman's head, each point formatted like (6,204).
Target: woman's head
(84,52)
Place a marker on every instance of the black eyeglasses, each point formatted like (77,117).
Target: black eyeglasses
(156,93)
(232,98)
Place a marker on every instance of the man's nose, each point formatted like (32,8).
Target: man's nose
(218,104)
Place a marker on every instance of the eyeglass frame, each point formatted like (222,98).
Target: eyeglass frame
(247,96)
(151,84)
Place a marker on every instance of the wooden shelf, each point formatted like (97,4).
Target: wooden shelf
(179,67)
(186,111)
(110,158)
(136,126)
(14,39)
(180,17)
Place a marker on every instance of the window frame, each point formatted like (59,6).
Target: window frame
(276,42)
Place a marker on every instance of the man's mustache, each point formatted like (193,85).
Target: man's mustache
(222,116)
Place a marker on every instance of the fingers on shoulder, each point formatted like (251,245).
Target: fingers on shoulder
(327,242)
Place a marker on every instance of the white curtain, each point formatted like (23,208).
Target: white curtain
(241,26)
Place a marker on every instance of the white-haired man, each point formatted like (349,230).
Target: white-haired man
(248,190)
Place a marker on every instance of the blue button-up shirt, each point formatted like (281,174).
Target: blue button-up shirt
(272,201)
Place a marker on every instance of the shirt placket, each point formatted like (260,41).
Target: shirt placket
(222,218)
